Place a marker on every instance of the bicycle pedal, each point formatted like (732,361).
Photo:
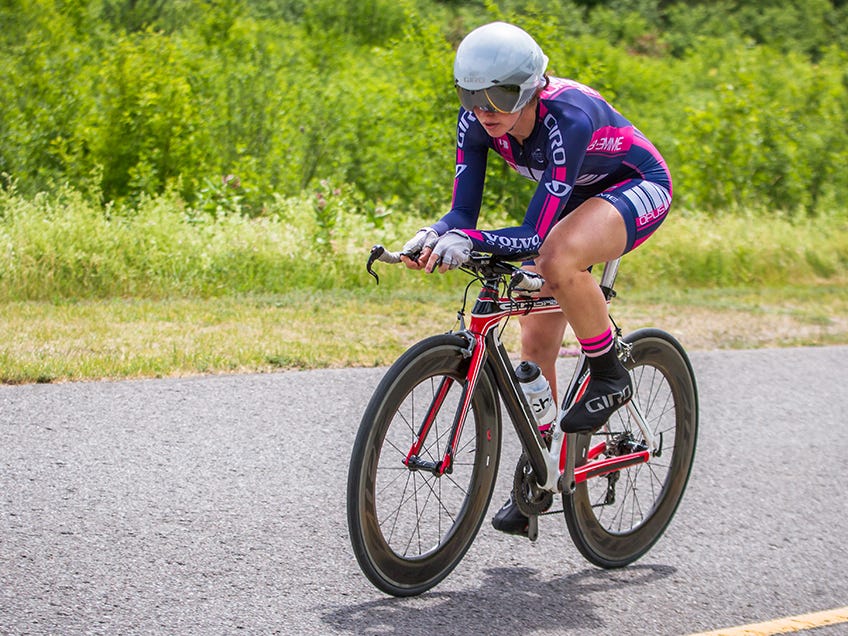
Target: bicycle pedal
(533,527)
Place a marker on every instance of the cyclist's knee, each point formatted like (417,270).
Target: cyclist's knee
(558,263)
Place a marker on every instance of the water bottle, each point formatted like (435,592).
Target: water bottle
(538,393)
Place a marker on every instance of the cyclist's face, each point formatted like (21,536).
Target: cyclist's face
(496,124)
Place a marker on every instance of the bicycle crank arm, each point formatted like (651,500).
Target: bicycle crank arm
(533,527)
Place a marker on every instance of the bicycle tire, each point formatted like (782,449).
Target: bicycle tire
(417,545)
(615,533)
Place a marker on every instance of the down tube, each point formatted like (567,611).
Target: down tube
(531,439)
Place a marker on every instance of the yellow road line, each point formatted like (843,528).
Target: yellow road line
(785,625)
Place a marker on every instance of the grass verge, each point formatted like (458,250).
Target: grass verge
(117,339)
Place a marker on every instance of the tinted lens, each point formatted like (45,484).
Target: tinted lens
(501,99)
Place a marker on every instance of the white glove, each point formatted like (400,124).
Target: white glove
(453,249)
(424,238)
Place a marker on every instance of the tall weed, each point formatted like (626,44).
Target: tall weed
(64,246)
(744,249)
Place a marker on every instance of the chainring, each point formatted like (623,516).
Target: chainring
(526,493)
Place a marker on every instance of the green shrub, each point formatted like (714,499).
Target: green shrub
(127,101)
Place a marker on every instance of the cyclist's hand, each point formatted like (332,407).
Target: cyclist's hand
(417,250)
(451,251)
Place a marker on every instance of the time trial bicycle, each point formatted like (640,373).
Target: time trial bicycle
(426,455)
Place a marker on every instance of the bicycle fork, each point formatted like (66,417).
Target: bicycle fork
(476,351)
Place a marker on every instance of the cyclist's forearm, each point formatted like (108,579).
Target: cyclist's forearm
(456,219)
(506,241)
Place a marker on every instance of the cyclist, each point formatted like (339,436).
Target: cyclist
(602,190)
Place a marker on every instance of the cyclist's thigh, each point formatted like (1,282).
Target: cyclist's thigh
(593,232)
(542,334)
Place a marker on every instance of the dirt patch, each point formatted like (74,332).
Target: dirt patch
(700,328)
(704,329)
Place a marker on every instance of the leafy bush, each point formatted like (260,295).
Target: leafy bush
(763,134)
(254,108)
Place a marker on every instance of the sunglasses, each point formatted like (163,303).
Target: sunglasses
(495,99)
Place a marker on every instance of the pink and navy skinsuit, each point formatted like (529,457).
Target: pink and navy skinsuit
(581,147)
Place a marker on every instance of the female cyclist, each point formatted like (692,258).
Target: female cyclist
(602,190)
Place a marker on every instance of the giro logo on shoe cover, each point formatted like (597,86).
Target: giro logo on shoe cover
(608,401)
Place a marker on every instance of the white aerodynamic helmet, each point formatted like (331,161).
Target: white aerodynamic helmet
(498,68)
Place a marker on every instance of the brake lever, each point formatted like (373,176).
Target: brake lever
(376,252)
(379,253)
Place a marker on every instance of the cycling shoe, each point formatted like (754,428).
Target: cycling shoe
(510,519)
(602,398)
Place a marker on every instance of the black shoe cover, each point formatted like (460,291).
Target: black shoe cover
(510,519)
(603,397)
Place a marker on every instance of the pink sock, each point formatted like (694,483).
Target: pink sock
(597,346)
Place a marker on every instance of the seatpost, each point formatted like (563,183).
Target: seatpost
(608,277)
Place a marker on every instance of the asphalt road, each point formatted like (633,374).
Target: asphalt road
(216,505)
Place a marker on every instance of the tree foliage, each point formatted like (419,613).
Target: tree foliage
(233,103)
